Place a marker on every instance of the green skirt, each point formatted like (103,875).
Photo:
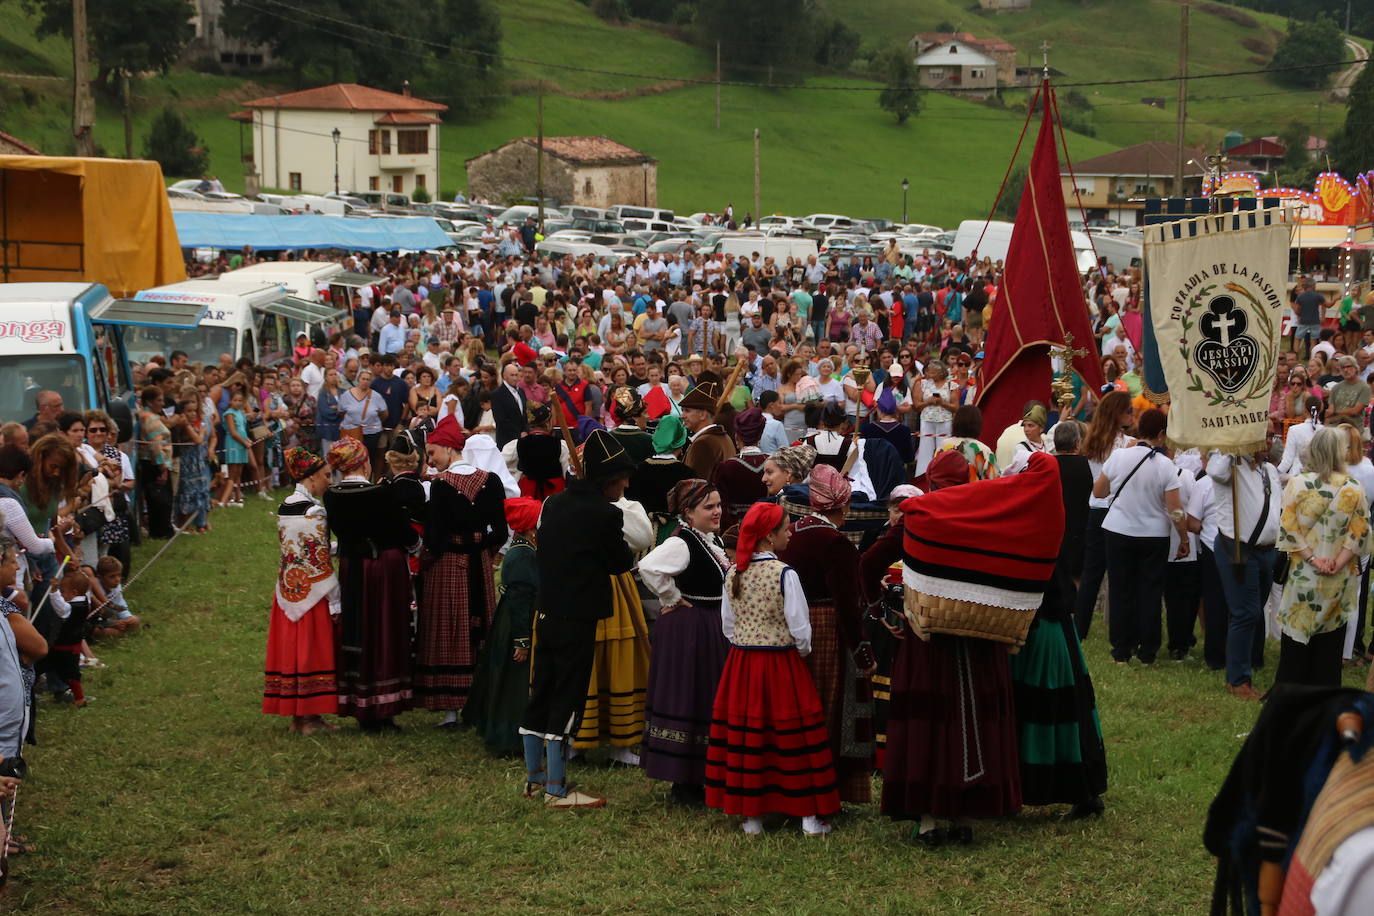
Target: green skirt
(500,688)
(1063,760)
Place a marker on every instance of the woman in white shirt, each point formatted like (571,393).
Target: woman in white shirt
(937,394)
(1106,434)
(1141,487)
(1299,435)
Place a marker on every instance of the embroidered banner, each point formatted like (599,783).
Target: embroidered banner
(1218,287)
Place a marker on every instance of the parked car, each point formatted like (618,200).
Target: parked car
(831,221)
(598,224)
(517,214)
(673,246)
(784,222)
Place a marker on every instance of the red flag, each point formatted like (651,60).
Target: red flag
(1040,299)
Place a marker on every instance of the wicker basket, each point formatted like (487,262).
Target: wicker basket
(862,520)
(931,614)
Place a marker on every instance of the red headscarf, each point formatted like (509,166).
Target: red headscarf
(761,520)
(448,434)
(522,513)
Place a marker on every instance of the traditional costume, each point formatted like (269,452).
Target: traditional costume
(739,478)
(465,526)
(769,751)
(951,738)
(687,572)
(828,564)
(656,476)
(614,713)
(538,460)
(626,408)
(581,547)
(501,685)
(1063,759)
(891,430)
(880,580)
(300,668)
(374,532)
(711,444)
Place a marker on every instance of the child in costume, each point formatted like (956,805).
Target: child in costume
(769,751)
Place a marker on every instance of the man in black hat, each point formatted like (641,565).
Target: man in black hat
(710,443)
(581,546)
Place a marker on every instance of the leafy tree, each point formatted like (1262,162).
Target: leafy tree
(125,35)
(836,42)
(1294,140)
(466,74)
(1352,148)
(311,39)
(763,34)
(610,10)
(446,49)
(1011,194)
(172,144)
(657,10)
(1316,40)
(897,70)
(420,195)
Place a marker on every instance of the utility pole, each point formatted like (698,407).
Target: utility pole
(1179,157)
(758,209)
(127,98)
(539,155)
(83,107)
(717,84)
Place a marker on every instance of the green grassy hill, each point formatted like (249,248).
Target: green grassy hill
(820,150)
(1098,40)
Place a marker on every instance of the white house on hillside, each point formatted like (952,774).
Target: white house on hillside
(387,141)
(960,66)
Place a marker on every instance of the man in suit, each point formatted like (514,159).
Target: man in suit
(581,546)
(508,406)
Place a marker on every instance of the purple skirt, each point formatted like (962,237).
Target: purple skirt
(687,658)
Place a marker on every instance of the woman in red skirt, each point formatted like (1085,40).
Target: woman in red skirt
(769,751)
(300,680)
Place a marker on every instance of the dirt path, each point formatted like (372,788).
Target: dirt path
(1346,78)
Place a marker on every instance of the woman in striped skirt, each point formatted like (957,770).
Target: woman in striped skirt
(770,750)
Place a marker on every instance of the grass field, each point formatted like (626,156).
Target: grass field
(171,793)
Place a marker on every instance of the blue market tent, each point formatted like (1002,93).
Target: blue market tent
(277,233)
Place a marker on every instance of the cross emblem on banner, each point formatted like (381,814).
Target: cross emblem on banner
(1224,324)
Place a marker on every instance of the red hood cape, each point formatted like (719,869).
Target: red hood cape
(991,542)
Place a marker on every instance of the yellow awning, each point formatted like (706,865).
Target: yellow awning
(98,220)
(1319,236)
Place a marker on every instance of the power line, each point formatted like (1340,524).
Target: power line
(710,81)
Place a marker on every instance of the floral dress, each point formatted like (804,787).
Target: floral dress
(982,461)
(1325,517)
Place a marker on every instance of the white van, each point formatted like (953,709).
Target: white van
(998,237)
(71,338)
(255,318)
(623,212)
(559,248)
(1120,252)
(777,247)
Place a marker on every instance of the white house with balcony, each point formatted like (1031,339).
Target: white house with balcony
(376,140)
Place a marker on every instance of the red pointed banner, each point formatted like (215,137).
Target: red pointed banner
(1040,299)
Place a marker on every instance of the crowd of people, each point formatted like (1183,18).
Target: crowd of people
(713,387)
(662,507)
